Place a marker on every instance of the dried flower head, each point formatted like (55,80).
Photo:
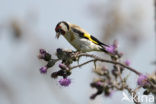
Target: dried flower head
(110,49)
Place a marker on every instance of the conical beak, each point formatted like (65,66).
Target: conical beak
(57,35)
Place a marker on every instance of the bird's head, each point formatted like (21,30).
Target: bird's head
(61,28)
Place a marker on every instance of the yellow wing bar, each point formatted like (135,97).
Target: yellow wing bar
(88,36)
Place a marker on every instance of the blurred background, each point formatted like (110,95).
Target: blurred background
(28,25)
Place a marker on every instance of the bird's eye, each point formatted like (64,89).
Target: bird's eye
(62,31)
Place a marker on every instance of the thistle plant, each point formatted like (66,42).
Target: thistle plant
(109,79)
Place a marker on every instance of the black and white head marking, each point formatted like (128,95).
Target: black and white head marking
(62,26)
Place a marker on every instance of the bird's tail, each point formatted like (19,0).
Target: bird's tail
(103,48)
(106,50)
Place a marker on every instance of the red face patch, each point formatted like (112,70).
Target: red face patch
(58,29)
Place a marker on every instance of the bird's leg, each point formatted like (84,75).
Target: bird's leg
(76,54)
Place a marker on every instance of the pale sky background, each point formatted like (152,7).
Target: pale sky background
(20,79)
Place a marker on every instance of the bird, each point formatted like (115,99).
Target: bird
(80,39)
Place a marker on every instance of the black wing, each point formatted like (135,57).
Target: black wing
(99,43)
(88,37)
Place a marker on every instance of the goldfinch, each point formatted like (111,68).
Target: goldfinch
(79,38)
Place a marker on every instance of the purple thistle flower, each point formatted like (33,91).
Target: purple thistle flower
(110,49)
(127,62)
(43,69)
(142,80)
(65,82)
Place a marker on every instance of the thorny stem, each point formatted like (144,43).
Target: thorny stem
(133,93)
(130,91)
(119,73)
(124,85)
(96,58)
(120,84)
(82,64)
